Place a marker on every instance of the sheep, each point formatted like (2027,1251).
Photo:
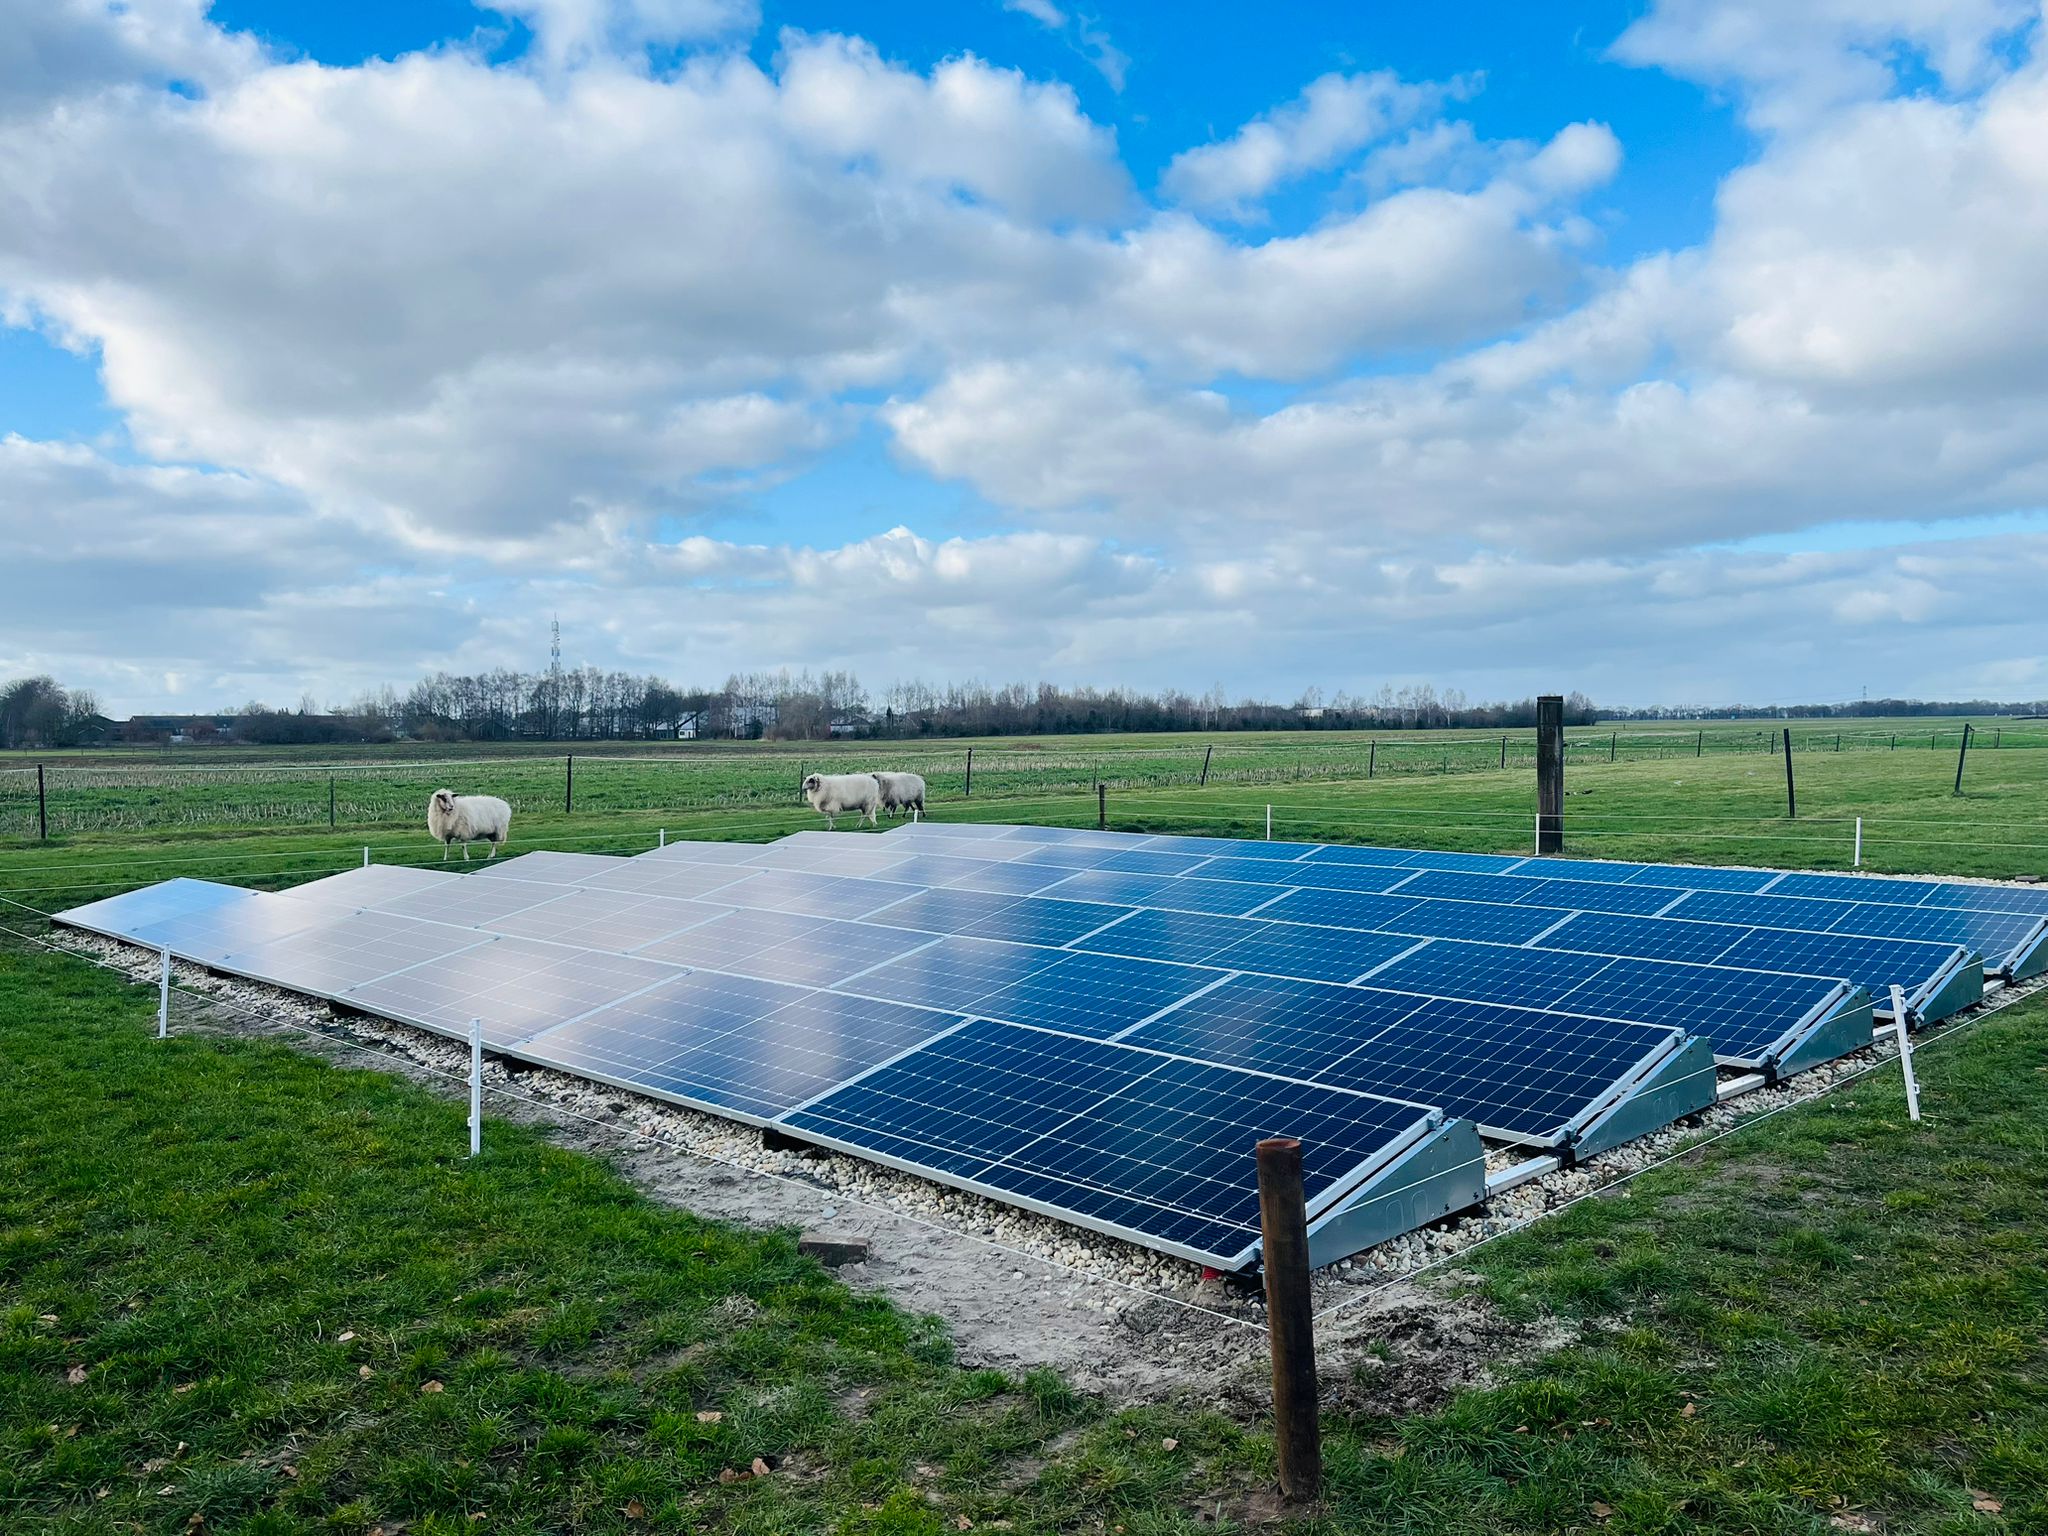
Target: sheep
(901,792)
(468,819)
(833,793)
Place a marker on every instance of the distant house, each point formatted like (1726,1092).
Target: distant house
(852,725)
(686,725)
(178,730)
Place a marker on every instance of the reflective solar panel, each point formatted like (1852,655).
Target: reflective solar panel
(1342,909)
(1228,897)
(1647,938)
(726,941)
(1188,938)
(694,852)
(953,974)
(1040,920)
(1012,879)
(1344,853)
(211,935)
(1990,898)
(1762,911)
(1425,918)
(1587,896)
(517,987)
(1590,871)
(676,878)
(549,867)
(122,915)
(1902,893)
(472,901)
(950,910)
(1458,885)
(1990,933)
(1309,872)
(935,869)
(784,890)
(1230,847)
(341,952)
(367,886)
(614,921)
(1094,995)
(634,1039)
(1695,877)
(1495,973)
(1155,861)
(1475,863)
(1070,856)
(1743,1013)
(1313,954)
(1295,1028)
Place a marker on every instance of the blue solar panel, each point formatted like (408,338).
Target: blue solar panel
(549,868)
(1342,909)
(950,910)
(1743,1013)
(1313,954)
(1345,853)
(1989,933)
(1070,856)
(1295,1028)
(1762,911)
(1586,896)
(935,869)
(1228,897)
(330,957)
(1317,873)
(953,974)
(1647,938)
(1901,893)
(1011,879)
(1457,885)
(1990,898)
(1492,922)
(1095,995)
(1491,973)
(677,878)
(1474,863)
(1038,920)
(618,921)
(1232,847)
(473,901)
(769,1064)
(781,890)
(211,935)
(725,941)
(1155,861)
(1694,877)
(1876,964)
(1186,937)
(1590,871)
(633,1040)
(1122,1138)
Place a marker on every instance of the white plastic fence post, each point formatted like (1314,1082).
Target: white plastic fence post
(366,855)
(663,843)
(163,996)
(1269,823)
(1859,843)
(476,1086)
(1905,1052)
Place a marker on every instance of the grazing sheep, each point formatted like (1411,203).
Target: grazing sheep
(832,794)
(468,819)
(901,792)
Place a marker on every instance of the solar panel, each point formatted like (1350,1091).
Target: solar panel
(1694,877)
(1231,847)
(1070,856)
(1991,933)
(949,910)
(1495,973)
(935,869)
(367,886)
(1589,871)
(1094,995)
(1038,920)
(616,921)
(1457,885)
(1425,918)
(1904,893)
(1874,964)
(518,987)
(717,1049)
(677,878)
(1012,879)
(1646,938)
(728,939)
(783,890)
(1310,872)
(549,867)
(332,956)
(1342,909)
(1587,896)
(1345,853)
(1118,1138)
(211,935)
(472,902)
(123,915)
(1313,954)
(1188,938)
(1229,898)
(1989,898)
(1156,861)
(704,852)
(1762,911)
(1744,1013)
(1474,863)
(953,974)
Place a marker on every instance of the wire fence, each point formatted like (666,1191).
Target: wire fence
(193,794)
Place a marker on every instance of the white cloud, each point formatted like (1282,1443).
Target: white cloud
(1333,117)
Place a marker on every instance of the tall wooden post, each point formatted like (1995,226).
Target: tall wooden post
(1550,773)
(1290,1324)
(1211,752)
(1962,756)
(569,784)
(330,802)
(1699,746)
(1101,807)
(1791,803)
(1372,757)
(42,807)
(1612,738)
(970,772)
(1503,750)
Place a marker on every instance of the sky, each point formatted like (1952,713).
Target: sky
(1672,351)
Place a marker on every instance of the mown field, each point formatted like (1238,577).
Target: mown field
(245,1292)
(313,788)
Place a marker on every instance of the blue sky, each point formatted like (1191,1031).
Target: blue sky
(1676,350)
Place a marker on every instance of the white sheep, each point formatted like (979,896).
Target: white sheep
(832,794)
(468,819)
(901,792)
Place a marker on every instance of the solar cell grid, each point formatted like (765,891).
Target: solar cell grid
(953,974)
(1989,898)
(131,910)
(548,867)
(1296,1029)
(633,1039)
(1012,879)
(517,987)
(365,887)
(1094,995)
(1041,920)
(1899,893)
(933,869)
(1457,885)
(726,940)
(330,957)
(694,852)
(1474,863)
(472,901)
(1342,909)
(814,895)
(1647,938)
(1744,1014)
(1874,964)
(1345,853)
(614,921)
(676,878)
(1186,937)
(209,936)
(950,910)
(1591,871)
(1311,954)
(1694,877)
(1814,915)
(1499,973)
(1154,861)
(1587,896)
(1990,932)
(826,955)
(1070,856)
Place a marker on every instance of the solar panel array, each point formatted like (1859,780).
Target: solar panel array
(1100,1024)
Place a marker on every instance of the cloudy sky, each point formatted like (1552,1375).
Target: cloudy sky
(1672,350)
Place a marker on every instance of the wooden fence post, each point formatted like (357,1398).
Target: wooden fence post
(569,784)
(1290,1324)
(1211,752)
(1101,807)
(1550,773)
(1791,804)
(42,807)
(1962,756)
(970,774)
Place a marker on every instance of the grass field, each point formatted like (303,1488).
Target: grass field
(242,1291)
(195,789)
(1725,807)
